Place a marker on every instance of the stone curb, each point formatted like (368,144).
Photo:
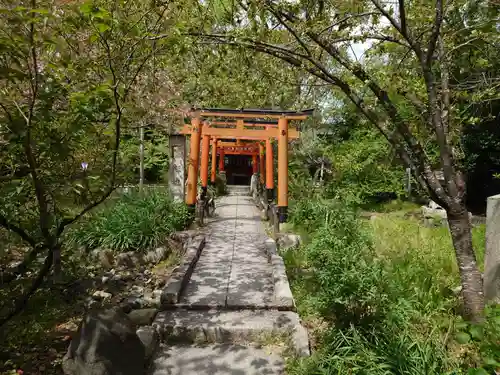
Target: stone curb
(200,334)
(210,335)
(282,292)
(300,341)
(205,307)
(180,278)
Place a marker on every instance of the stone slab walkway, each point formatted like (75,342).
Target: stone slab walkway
(220,359)
(228,301)
(233,270)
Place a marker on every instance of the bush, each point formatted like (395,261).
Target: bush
(342,272)
(134,221)
(385,289)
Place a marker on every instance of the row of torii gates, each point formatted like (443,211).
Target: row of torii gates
(217,132)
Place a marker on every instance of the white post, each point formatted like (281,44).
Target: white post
(492,253)
(408,180)
(141,158)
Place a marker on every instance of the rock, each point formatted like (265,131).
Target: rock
(150,300)
(150,339)
(157,293)
(100,295)
(106,343)
(134,302)
(157,255)
(142,317)
(160,282)
(126,308)
(123,276)
(130,259)
(137,291)
(104,257)
(91,303)
(457,290)
(288,241)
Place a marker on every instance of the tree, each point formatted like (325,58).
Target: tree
(66,74)
(410,101)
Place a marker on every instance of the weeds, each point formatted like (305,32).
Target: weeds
(133,221)
(387,289)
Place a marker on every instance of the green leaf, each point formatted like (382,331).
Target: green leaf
(462,337)
(477,371)
(102,27)
(476,332)
(39,11)
(86,8)
(461,325)
(491,362)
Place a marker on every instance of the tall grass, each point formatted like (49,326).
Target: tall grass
(133,221)
(380,297)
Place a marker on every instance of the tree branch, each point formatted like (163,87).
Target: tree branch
(18,230)
(22,267)
(39,188)
(415,46)
(436,29)
(21,302)
(347,18)
(402,16)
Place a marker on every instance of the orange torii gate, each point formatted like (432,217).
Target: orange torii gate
(226,131)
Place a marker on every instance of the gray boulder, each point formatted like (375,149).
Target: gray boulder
(142,317)
(150,339)
(288,241)
(106,344)
(157,255)
(130,259)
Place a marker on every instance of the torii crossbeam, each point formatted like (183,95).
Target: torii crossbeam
(226,130)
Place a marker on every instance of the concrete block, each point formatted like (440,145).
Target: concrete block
(282,292)
(300,341)
(181,276)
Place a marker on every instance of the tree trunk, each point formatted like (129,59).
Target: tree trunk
(472,283)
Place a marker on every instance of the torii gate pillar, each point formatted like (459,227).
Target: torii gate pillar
(213,173)
(262,165)
(269,171)
(194,160)
(205,154)
(283,170)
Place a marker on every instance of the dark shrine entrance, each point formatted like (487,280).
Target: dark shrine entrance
(238,169)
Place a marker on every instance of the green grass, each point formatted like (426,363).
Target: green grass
(132,221)
(378,296)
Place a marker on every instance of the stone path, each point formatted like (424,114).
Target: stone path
(229,301)
(233,270)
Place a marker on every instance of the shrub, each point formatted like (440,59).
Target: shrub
(133,221)
(384,287)
(343,275)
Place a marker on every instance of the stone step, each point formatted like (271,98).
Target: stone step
(224,326)
(220,359)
